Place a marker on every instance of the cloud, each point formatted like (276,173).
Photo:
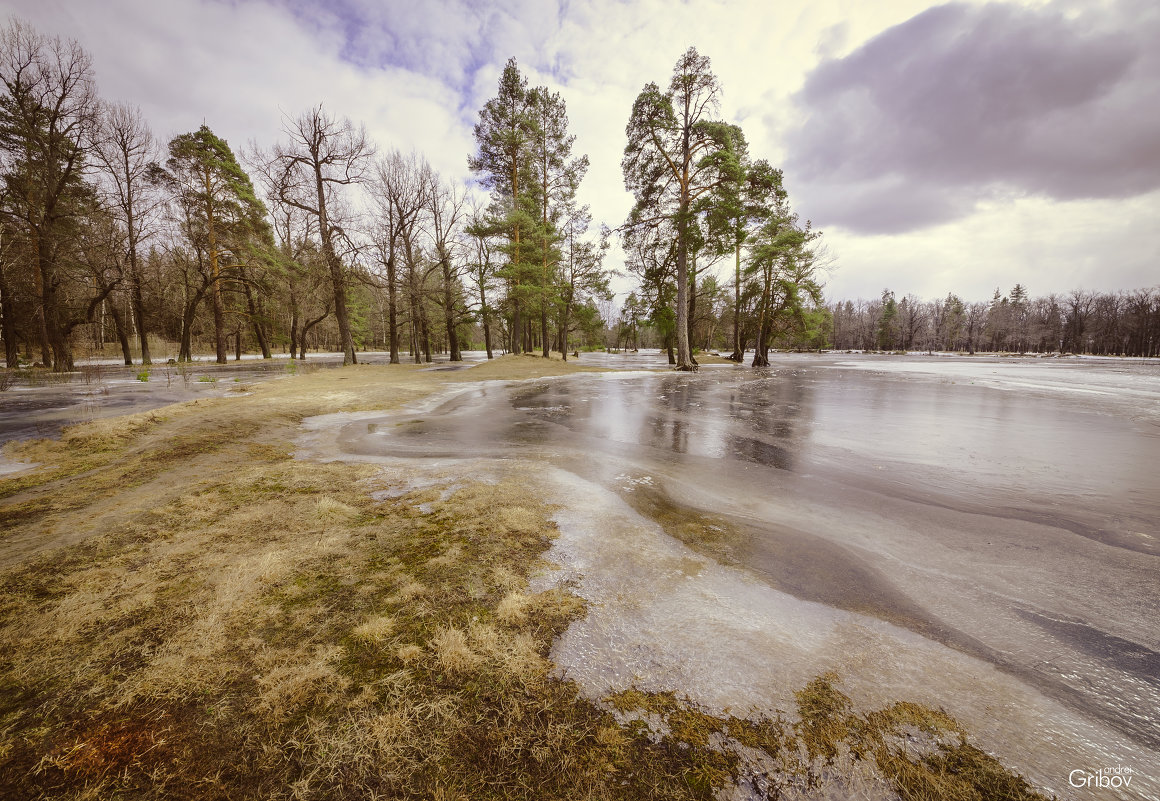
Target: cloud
(1102,244)
(417,74)
(961,104)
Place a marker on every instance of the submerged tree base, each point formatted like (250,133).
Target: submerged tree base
(215,619)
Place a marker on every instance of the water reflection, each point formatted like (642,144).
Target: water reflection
(685,415)
(991,521)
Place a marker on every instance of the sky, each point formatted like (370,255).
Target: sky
(963,147)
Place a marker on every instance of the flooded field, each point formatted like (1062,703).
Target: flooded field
(37,403)
(979,535)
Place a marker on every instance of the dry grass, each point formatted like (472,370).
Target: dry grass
(186,612)
(918,753)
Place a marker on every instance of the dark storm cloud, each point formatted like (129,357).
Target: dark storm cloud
(960,103)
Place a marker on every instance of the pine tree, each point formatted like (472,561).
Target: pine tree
(744,199)
(672,158)
(219,199)
(503,137)
(556,175)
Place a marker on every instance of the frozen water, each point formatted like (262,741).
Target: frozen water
(966,535)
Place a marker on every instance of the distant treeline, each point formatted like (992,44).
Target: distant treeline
(1125,323)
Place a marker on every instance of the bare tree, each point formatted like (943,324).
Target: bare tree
(323,154)
(976,320)
(1078,309)
(400,191)
(301,271)
(8,322)
(48,116)
(445,207)
(127,152)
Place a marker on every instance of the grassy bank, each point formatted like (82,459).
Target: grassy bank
(188,612)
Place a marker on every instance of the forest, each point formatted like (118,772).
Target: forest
(114,242)
(114,239)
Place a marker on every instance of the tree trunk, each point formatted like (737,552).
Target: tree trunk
(122,334)
(219,319)
(8,322)
(136,301)
(392,310)
(692,305)
(425,333)
(337,280)
(517,327)
(62,357)
(486,318)
(683,360)
(761,348)
(547,353)
(256,322)
(293,322)
(137,308)
(42,322)
(341,314)
(544,328)
(305,330)
(565,324)
(219,325)
(416,351)
(449,313)
(185,348)
(737,354)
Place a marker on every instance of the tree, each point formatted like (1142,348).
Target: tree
(323,155)
(674,156)
(444,213)
(126,150)
(888,322)
(975,315)
(8,302)
(631,316)
(1018,316)
(1078,310)
(481,268)
(556,175)
(502,136)
(742,201)
(996,326)
(222,213)
(97,245)
(300,266)
(584,276)
(787,263)
(400,190)
(48,117)
(650,253)
(953,320)
(405,185)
